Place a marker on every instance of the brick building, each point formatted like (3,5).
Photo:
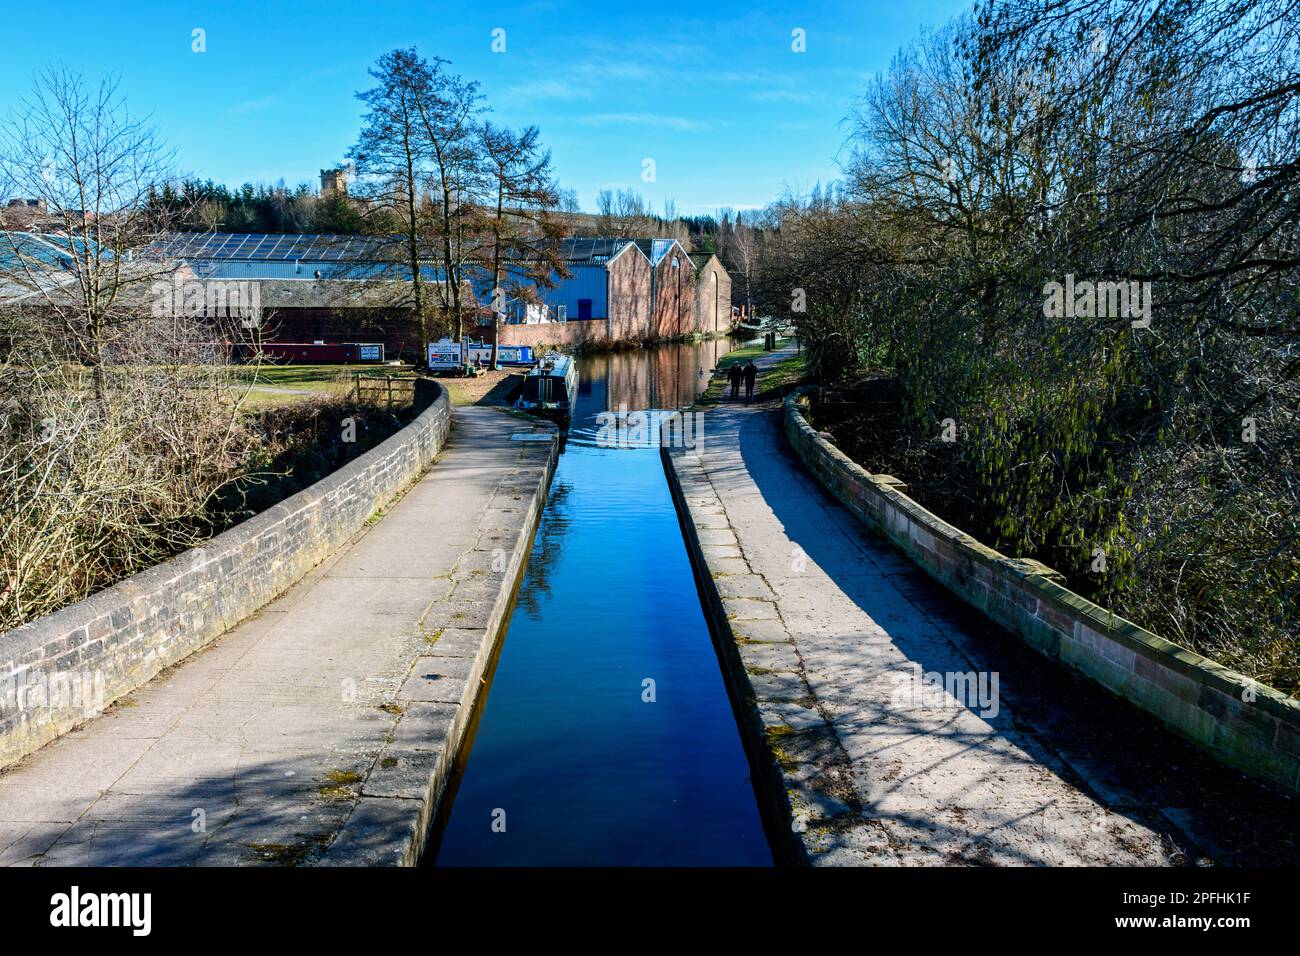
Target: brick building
(712,295)
(627,290)
(343,289)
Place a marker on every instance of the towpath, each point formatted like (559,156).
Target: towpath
(834,629)
(320,730)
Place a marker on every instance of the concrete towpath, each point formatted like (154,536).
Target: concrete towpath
(786,349)
(828,631)
(321,730)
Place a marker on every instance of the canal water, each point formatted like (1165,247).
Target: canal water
(607,736)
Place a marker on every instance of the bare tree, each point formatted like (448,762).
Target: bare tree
(421,142)
(78,150)
(738,249)
(119,417)
(449,107)
(623,214)
(1144,148)
(568,200)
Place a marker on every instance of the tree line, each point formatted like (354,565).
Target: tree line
(196,205)
(1067,232)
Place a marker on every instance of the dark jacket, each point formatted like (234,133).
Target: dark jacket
(751,373)
(733,375)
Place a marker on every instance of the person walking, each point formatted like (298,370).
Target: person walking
(733,376)
(751,375)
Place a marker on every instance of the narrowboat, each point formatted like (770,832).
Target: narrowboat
(551,389)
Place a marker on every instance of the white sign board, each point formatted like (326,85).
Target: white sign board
(445,354)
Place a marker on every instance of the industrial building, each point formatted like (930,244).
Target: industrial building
(353,288)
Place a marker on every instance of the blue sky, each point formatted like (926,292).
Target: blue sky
(712,92)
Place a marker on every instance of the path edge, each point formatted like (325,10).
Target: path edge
(770,784)
(394,830)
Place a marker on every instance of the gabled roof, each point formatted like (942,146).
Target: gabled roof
(37,250)
(33,264)
(594,250)
(656,249)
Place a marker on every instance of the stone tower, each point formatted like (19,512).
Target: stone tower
(334,181)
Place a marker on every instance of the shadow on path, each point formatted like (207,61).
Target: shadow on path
(1071,727)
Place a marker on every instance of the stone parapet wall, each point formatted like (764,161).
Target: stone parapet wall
(1243,723)
(66,667)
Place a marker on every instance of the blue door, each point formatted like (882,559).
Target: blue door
(584,308)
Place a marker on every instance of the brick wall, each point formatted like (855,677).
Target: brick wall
(629,297)
(63,668)
(395,328)
(629,313)
(584,333)
(1246,725)
(682,304)
(674,296)
(712,298)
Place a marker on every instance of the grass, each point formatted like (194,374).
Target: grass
(339,784)
(490,388)
(786,372)
(285,384)
(747,353)
(270,385)
(290,854)
(298,376)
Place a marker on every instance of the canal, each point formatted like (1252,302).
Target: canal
(606,736)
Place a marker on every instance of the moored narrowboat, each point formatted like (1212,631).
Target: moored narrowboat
(551,389)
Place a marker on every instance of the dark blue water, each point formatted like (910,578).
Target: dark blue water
(569,755)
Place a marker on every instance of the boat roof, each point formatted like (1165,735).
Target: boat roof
(557,366)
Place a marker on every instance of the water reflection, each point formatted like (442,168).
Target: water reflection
(667,378)
(607,737)
(655,381)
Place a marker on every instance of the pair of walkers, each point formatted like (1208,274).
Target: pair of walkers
(748,374)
